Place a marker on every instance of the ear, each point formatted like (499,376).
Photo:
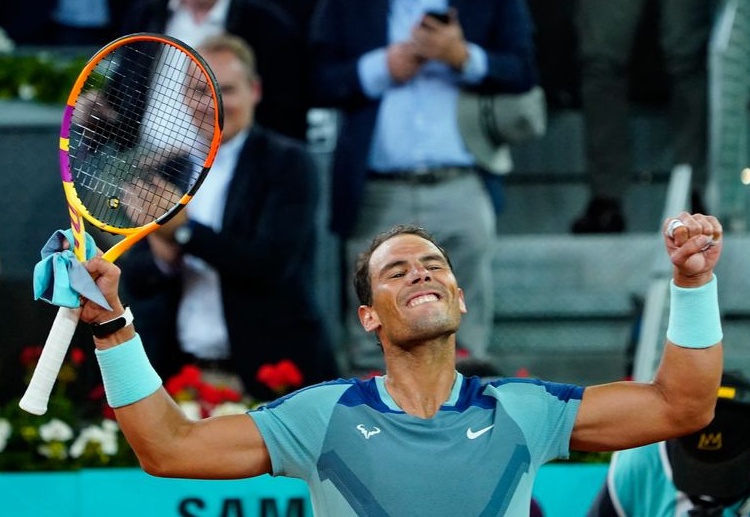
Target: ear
(368,317)
(462,301)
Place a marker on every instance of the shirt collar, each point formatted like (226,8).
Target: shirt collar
(388,400)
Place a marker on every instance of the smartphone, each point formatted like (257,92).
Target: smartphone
(441,16)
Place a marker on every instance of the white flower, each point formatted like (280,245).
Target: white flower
(229,408)
(105,438)
(55,430)
(6,44)
(26,91)
(191,409)
(110,426)
(54,450)
(5,432)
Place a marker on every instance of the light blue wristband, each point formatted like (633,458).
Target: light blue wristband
(694,318)
(127,373)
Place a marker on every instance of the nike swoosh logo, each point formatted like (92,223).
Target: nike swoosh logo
(473,435)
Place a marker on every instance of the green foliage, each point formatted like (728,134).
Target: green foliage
(41,77)
(64,438)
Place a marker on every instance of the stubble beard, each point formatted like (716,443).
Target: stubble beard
(433,327)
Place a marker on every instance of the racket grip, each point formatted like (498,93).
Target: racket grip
(42,381)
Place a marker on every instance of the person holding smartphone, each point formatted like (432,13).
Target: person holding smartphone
(394,70)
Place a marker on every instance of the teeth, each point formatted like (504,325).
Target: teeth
(423,299)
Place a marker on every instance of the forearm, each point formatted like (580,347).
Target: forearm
(690,371)
(152,427)
(146,413)
(687,382)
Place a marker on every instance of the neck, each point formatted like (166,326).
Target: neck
(421,385)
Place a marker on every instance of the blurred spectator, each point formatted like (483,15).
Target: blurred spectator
(61,22)
(703,474)
(86,22)
(235,266)
(607,33)
(301,11)
(277,42)
(557,52)
(395,73)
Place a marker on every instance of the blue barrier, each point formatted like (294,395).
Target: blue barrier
(563,490)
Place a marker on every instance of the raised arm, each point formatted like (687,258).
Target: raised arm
(166,442)
(682,396)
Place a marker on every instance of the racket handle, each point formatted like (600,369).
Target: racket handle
(42,381)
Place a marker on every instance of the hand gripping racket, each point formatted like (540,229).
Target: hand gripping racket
(139,134)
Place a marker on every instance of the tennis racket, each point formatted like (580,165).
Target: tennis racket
(139,134)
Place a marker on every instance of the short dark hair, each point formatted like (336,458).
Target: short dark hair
(362,283)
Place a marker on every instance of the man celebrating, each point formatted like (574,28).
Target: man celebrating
(423,439)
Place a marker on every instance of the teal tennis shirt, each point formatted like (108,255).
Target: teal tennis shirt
(360,454)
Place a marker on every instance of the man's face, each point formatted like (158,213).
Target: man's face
(415,296)
(239,93)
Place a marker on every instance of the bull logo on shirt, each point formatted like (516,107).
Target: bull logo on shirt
(367,433)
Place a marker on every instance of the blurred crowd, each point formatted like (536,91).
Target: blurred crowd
(395,78)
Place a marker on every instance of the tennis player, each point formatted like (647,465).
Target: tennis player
(423,439)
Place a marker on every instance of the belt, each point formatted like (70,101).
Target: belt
(424,176)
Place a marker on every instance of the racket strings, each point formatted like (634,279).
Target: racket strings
(142,134)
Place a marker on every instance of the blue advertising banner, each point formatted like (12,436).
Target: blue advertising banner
(563,490)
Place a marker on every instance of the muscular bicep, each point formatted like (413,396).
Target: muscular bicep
(229,447)
(680,400)
(617,416)
(225,447)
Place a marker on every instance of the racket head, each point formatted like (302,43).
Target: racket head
(140,131)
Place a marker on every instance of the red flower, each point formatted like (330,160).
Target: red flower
(188,385)
(209,393)
(192,374)
(77,356)
(215,395)
(30,355)
(97,394)
(189,377)
(280,377)
(290,373)
(230,395)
